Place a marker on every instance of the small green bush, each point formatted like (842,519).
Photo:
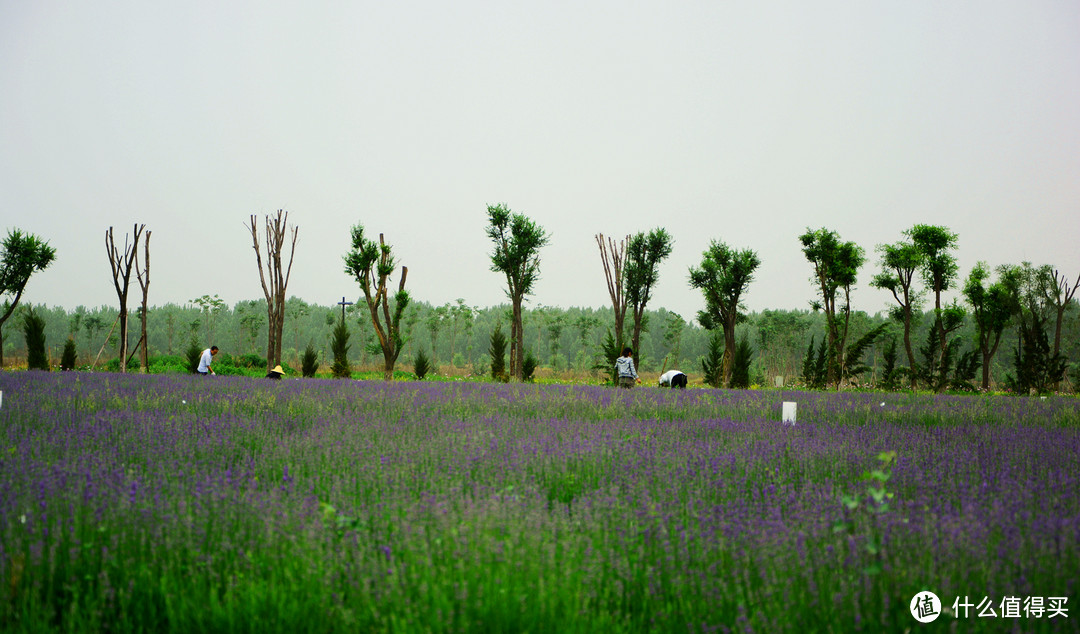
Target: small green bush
(309,362)
(34,329)
(193,353)
(421,365)
(70,355)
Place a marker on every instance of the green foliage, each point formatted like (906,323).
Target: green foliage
(869,506)
(610,350)
(964,372)
(371,264)
(836,265)
(528,366)
(723,278)
(1037,367)
(421,365)
(890,374)
(712,365)
(70,355)
(193,354)
(309,362)
(938,264)
(34,330)
(113,365)
(740,367)
(517,241)
(938,363)
(339,344)
(497,352)
(249,361)
(641,272)
(814,364)
(853,365)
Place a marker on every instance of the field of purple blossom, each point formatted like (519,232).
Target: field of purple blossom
(170,503)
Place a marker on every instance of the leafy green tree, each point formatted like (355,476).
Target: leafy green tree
(992,307)
(724,276)
(939,272)
(23,255)
(899,264)
(644,253)
(518,241)
(371,264)
(836,266)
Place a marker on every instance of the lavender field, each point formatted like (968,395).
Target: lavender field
(134,503)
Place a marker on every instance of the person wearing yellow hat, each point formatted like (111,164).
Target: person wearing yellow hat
(276,373)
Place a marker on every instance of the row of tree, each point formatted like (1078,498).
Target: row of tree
(1023,297)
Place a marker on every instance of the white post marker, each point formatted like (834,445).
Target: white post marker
(778,381)
(789,412)
(1,398)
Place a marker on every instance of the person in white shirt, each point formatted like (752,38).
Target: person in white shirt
(206,359)
(624,368)
(673,378)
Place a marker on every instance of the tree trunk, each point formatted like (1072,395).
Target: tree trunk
(913,379)
(517,345)
(123,338)
(729,349)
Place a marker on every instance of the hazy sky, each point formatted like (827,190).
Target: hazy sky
(745,122)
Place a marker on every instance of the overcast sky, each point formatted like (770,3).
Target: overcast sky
(745,122)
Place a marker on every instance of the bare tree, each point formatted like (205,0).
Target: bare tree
(142,275)
(1057,293)
(613,257)
(278,281)
(121,264)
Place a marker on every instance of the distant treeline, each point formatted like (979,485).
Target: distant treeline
(456,337)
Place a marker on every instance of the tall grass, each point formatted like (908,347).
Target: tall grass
(176,503)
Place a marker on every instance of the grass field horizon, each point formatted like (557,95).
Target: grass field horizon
(137,503)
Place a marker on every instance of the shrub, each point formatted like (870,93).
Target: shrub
(340,346)
(497,351)
(34,329)
(250,361)
(712,366)
(193,353)
(528,366)
(309,363)
(421,365)
(740,365)
(70,356)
